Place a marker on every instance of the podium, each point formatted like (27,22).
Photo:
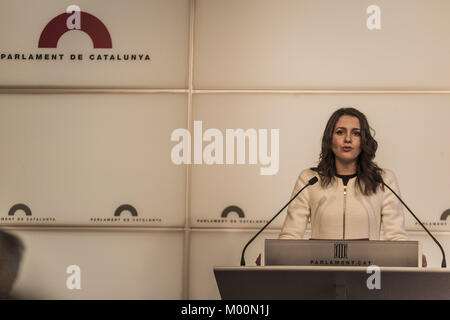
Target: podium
(342,253)
(335,269)
(319,282)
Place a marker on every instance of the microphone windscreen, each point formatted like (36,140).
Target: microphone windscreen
(313,180)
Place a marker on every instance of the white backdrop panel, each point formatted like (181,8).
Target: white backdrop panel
(219,249)
(114,265)
(411,130)
(159,28)
(321,44)
(78,158)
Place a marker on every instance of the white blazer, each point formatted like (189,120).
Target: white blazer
(339,212)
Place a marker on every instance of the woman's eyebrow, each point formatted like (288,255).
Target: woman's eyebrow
(344,128)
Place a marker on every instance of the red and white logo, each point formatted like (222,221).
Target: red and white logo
(75,19)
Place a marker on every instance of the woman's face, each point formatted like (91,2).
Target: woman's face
(346,143)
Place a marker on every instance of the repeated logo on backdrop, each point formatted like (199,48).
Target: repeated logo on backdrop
(20,212)
(228,216)
(66,22)
(75,20)
(126,210)
(445,215)
(435,225)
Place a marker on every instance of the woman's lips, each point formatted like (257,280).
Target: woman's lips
(347,149)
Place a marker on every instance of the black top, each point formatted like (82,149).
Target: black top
(346,177)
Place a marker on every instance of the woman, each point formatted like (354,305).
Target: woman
(349,201)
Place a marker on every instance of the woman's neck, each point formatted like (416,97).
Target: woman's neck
(345,168)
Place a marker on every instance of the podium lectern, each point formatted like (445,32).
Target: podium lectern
(335,269)
(318,282)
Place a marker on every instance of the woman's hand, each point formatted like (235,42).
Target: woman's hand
(424,261)
(258,260)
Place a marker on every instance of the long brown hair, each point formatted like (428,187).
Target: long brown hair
(368,173)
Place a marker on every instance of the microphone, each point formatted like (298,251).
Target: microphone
(444,263)
(312,181)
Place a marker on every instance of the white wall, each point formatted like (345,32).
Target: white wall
(81,138)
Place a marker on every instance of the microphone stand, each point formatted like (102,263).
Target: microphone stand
(310,183)
(444,263)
